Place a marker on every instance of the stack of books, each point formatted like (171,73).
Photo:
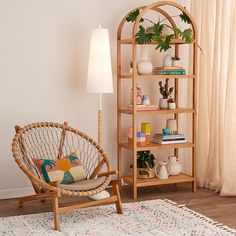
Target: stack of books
(169,70)
(169,139)
(144,107)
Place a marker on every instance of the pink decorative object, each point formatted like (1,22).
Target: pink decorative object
(139,96)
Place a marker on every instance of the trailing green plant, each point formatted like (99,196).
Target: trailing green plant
(145,159)
(165,90)
(155,32)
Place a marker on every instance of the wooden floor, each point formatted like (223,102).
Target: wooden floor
(209,203)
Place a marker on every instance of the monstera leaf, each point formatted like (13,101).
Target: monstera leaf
(142,36)
(133,16)
(184,18)
(157,29)
(163,44)
(186,35)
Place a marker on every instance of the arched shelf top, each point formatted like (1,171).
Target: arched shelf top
(156,7)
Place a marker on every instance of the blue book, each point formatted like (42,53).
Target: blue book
(173,72)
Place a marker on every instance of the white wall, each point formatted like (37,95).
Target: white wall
(43,63)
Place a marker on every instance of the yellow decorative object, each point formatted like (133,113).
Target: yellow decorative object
(146,128)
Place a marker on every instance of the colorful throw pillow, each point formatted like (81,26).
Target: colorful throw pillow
(66,170)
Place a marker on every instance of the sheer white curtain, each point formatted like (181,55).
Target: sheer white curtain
(216,122)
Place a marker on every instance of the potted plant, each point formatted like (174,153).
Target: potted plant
(175,61)
(145,164)
(158,32)
(165,92)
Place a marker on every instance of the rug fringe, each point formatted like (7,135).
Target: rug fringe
(202,217)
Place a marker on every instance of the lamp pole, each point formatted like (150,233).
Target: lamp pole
(100,126)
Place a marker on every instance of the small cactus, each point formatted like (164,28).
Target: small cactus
(164,90)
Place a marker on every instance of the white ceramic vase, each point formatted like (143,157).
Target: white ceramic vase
(163,103)
(162,170)
(175,167)
(144,66)
(167,60)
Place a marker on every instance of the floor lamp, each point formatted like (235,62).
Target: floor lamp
(99,78)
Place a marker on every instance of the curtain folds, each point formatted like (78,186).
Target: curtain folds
(216,118)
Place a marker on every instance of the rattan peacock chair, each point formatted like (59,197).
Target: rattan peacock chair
(48,140)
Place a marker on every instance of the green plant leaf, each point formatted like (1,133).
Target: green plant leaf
(144,158)
(163,44)
(186,35)
(184,18)
(133,16)
(157,29)
(142,37)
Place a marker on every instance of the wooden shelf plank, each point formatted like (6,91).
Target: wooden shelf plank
(155,146)
(152,76)
(181,178)
(131,40)
(158,111)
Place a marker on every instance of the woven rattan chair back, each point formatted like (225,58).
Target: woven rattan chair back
(48,140)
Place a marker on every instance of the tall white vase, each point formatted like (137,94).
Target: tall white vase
(144,65)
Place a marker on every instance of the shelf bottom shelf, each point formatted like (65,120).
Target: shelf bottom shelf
(181,178)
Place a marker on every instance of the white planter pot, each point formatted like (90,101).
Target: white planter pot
(172,105)
(176,62)
(163,103)
(144,66)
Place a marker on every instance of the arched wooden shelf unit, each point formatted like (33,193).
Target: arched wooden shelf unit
(176,42)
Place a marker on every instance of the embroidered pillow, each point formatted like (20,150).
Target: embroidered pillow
(66,170)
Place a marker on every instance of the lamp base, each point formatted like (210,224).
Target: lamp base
(101,195)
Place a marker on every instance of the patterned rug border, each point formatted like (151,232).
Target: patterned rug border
(201,216)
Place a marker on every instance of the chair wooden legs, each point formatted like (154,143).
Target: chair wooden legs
(56,213)
(35,197)
(58,210)
(115,187)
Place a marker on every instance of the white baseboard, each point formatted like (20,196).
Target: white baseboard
(15,193)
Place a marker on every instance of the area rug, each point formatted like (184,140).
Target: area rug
(147,218)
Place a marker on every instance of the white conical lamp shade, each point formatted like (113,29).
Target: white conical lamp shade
(99,68)
(171,124)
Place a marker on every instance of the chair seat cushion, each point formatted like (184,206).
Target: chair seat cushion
(84,185)
(66,170)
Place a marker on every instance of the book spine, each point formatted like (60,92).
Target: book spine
(168,137)
(173,72)
(170,142)
(173,68)
(173,139)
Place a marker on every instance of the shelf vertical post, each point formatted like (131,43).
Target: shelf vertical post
(119,153)
(176,152)
(195,48)
(134,121)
